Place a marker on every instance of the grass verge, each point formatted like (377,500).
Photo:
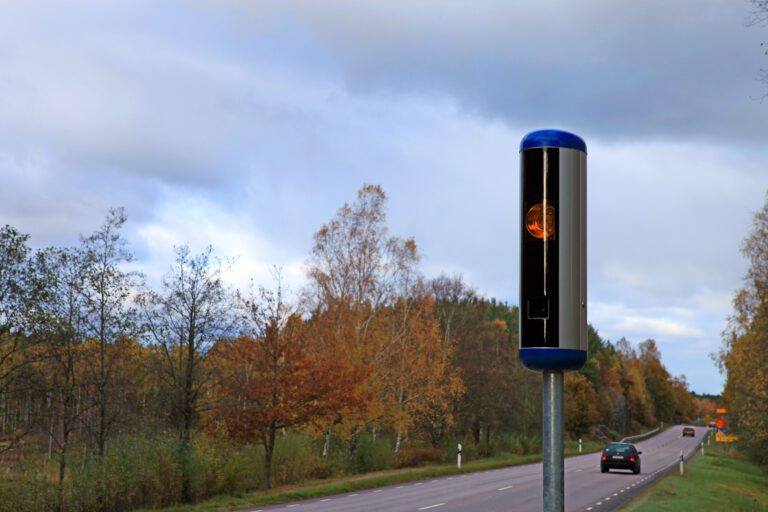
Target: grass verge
(719,480)
(317,489)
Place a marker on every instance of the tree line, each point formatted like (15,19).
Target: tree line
(369,351)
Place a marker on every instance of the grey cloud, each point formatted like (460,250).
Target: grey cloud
(611,69)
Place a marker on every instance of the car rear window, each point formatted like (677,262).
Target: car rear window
(619,449)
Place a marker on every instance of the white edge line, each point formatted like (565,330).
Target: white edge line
(504,488)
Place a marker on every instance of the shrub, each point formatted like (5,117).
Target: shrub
(417,456)
(27,492)
(372,455)
(290,460)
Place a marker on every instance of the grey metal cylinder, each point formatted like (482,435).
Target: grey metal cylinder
(552,441)
(553,251)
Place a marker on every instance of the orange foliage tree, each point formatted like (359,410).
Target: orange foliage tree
(415,376)
(744,356)
(357,273)
(267,381)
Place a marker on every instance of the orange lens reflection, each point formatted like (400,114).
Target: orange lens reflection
(540,224)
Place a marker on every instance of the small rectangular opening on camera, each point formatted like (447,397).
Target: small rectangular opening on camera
(538,308)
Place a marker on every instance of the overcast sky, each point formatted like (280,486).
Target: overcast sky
(247,124)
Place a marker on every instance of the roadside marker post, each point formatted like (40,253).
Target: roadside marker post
(682,464)
(579,445)
(553,281)
(458,457)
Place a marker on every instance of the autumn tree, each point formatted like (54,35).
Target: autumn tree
(580,401)
(744,356)
(414,370)
(267,381)
(356,270)
(192,311)
(499,394)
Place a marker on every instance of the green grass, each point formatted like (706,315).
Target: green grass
(719,480)
(317,489)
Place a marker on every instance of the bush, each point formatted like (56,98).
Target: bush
(372,455)
(290,464)
(417,456)
(27,492)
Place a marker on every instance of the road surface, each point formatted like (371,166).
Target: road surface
(517,488)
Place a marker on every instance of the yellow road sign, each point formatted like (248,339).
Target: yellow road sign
(721,437)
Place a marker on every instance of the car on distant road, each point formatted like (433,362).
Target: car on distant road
(620,456)
(689,431)
(712,424)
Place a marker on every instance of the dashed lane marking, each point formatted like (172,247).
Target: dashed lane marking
(432,506)
(377,490)
(504,488)
(352,495)
(327,499)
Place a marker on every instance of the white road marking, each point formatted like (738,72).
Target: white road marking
(608,498)
(578,470)
(327,499)
(291,506)
(432,506)
(599,502)
(351,495)
(615,494)
(418,483)
(504,488)
(377,490)
(399,487)
(589,508)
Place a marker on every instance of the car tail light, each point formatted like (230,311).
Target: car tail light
(631,459)
(604,458)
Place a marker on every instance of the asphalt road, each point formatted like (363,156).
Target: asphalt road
(517,488)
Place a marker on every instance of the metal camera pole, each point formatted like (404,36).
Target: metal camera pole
(552,441)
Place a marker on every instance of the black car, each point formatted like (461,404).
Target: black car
(689,431)
(620,456)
